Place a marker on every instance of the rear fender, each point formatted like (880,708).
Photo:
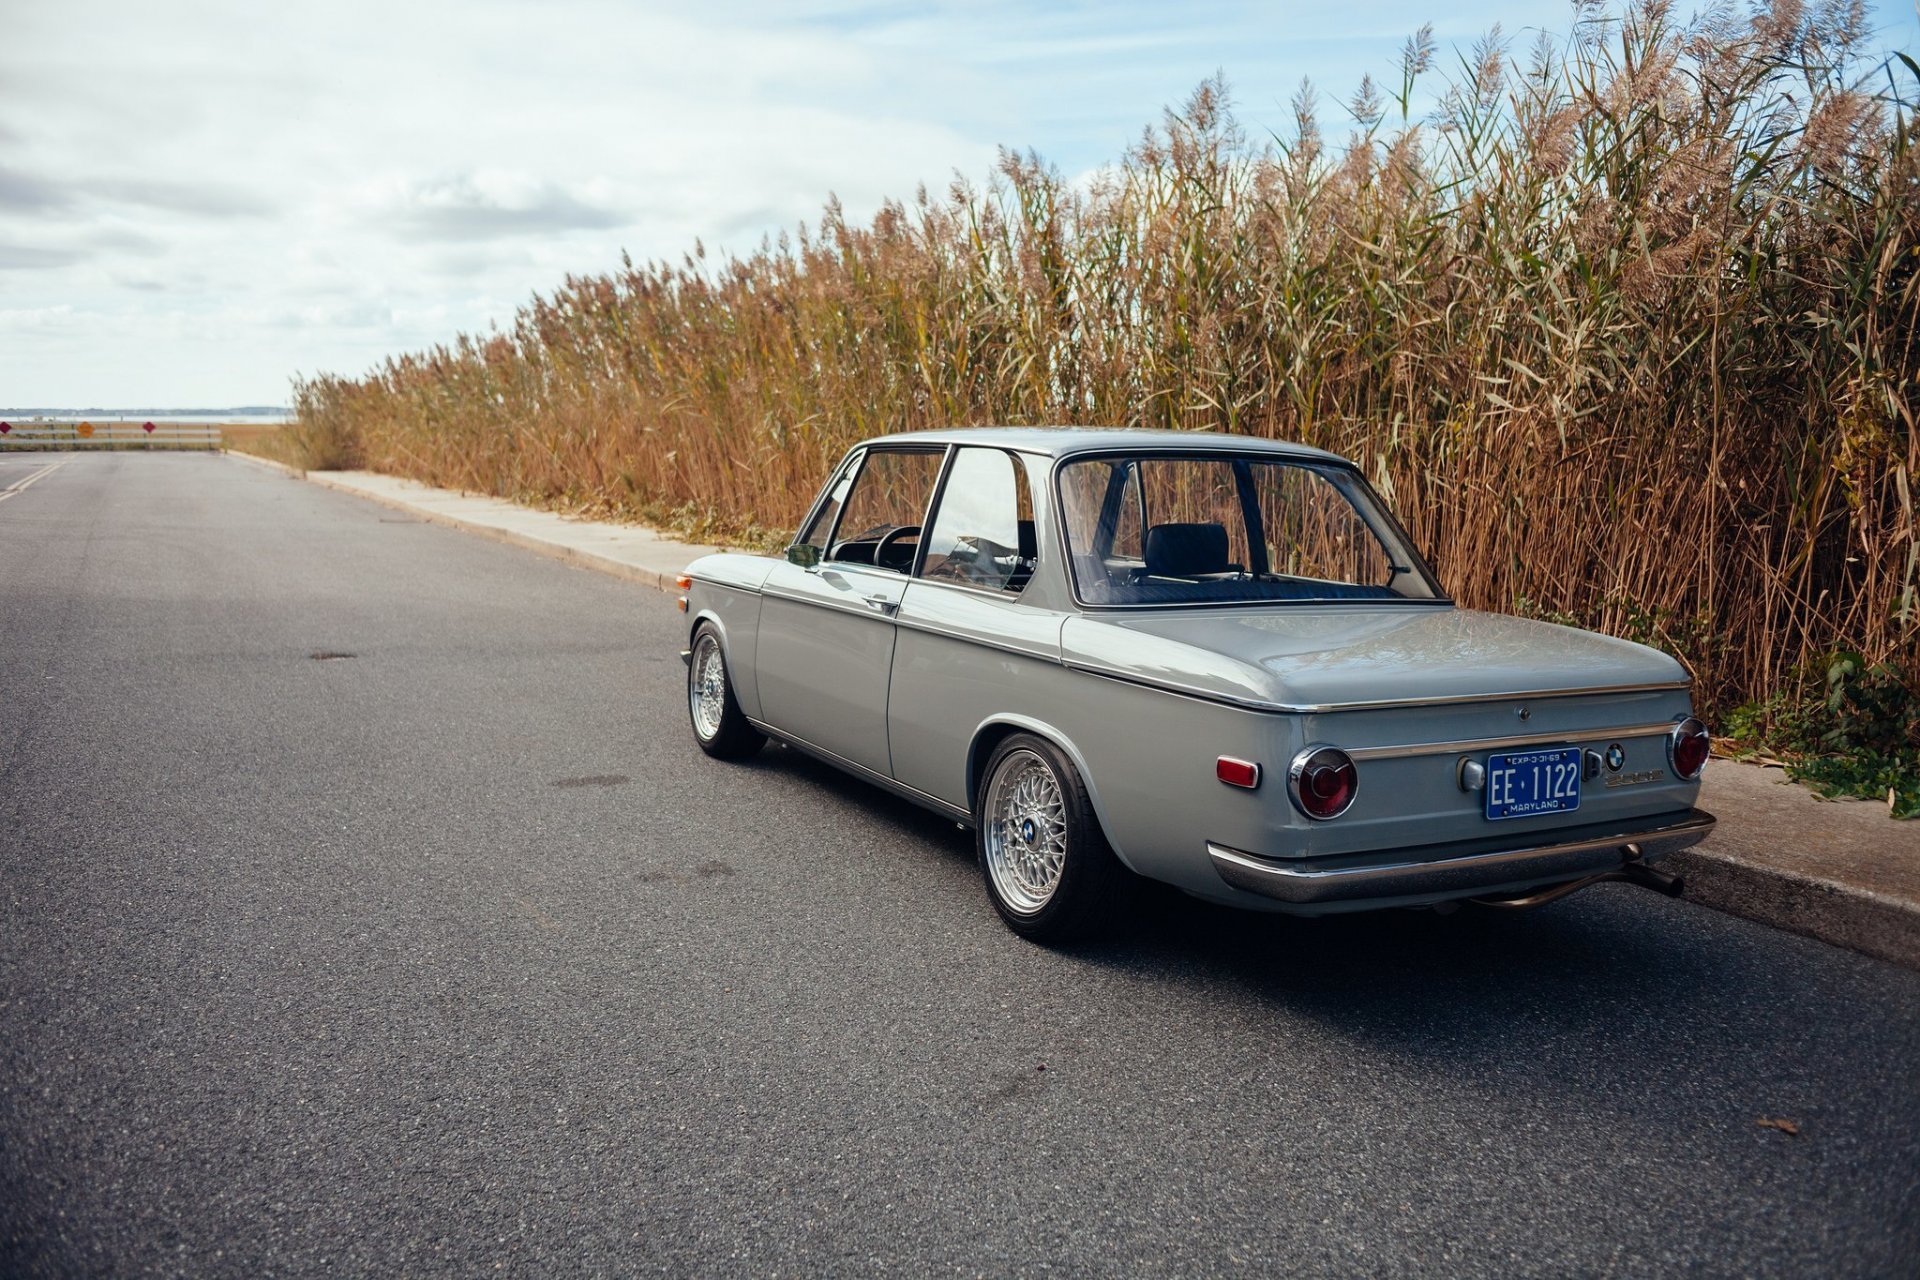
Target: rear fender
(989,734)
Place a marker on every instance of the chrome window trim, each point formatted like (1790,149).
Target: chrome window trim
(933,495)
(1000,594)
(848,461)
(1062,460)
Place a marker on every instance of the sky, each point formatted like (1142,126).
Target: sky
(199,201)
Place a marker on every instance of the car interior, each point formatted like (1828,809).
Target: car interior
(1193,561)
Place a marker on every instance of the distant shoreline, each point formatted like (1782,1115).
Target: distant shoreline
(238,414)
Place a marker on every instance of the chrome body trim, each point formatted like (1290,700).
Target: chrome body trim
(1462,745)
(1326,708)
(865,774)
(1415,876)
(1051,655)
(892,613)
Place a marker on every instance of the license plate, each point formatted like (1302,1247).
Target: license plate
(1524,784)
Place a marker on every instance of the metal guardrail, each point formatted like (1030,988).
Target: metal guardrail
(110,435)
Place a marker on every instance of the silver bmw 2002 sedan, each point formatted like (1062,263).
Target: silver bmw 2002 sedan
(1208,660)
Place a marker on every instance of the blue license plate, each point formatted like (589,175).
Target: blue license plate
(1525,784)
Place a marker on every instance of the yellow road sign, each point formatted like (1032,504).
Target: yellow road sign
(85,429)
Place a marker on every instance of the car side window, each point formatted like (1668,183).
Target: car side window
(817,530)
(983,533)
(880,523)
(1314,533)
(1105,512)
(1130,526)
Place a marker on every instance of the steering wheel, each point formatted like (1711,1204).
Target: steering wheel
(896,534)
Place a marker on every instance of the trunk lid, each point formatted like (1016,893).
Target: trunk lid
(1330,656)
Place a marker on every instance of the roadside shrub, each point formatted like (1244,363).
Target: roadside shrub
(1628,329)
(1843,727)
(320,440)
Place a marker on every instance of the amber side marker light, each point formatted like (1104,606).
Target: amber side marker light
(684,582)
(682,603)
(1237,773)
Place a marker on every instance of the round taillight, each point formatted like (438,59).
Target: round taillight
(1688,747)
(1322,782)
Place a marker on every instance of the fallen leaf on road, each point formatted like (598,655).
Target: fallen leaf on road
(1788,1127)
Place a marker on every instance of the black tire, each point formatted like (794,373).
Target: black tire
(726,736)
(1091,892)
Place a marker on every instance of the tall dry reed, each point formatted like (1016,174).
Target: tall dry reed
(1628,330)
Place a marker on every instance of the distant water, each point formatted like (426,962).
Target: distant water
(218,416)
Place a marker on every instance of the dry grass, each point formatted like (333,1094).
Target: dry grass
(1627,332)
(261,439)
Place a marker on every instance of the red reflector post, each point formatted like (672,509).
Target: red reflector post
(1237,773)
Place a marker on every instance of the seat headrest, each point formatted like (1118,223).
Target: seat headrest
(1186,550)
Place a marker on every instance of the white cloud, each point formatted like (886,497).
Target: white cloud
(492,204)
(243,191)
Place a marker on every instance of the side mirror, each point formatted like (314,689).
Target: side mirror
(804,554)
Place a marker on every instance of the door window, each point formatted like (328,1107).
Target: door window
(983,534)
(880,524)
(816,532)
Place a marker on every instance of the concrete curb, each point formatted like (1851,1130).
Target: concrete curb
(1879,925)
(1771,859)
(632,552)
(268,463)
(651,577)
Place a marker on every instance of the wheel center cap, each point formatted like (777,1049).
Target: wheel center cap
(1027,830)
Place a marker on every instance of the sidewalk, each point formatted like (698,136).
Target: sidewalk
(625,550)
(1840,871)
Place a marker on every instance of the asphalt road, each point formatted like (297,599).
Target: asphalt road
(455,957)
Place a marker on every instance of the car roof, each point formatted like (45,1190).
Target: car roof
(1056,442)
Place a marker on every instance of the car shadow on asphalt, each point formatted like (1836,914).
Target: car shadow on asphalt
(1616,991)
(1336,954)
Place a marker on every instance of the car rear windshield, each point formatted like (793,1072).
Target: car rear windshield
(1148,529)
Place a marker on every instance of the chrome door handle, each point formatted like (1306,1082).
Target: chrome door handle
(881,603)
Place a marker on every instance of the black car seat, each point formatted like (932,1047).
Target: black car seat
(1190,551)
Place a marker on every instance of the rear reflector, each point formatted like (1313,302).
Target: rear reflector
(1237,773)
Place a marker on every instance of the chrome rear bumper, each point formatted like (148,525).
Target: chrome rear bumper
(1435,873)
